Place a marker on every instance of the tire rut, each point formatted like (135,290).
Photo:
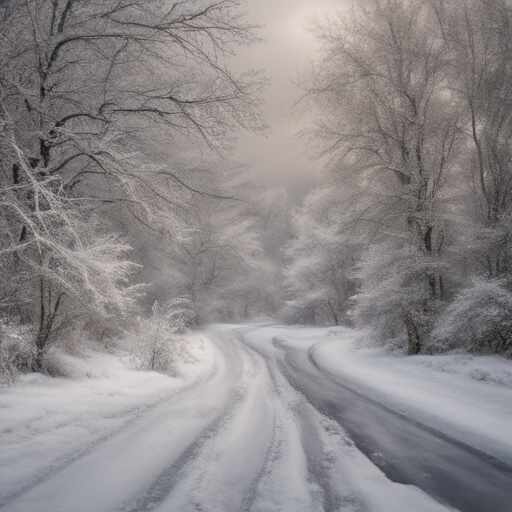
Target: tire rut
(395,444)
(133,416)
(166,481)
(319,463)
(164,484)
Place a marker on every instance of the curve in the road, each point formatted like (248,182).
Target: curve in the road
(405,450)
(270,430)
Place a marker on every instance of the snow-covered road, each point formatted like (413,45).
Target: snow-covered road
(269,426)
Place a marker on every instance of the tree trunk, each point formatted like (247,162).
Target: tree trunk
(37,364)
(46,323)
(413,336)
(333,311)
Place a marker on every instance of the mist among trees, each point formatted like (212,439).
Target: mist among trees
(121,211)
(411,106)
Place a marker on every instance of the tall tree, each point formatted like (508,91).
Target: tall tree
(88,89)
(86,81)
(321,259)
(478,36)
(58,265)
(388,126)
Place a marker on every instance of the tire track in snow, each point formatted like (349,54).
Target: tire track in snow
(121,445)
(133,415)
(405,450)
(166,482)
(319,462)
(319,465)
(271,454)
(274,449)
(260,453)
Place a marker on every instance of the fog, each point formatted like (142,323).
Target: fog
(270,303)
(288,47)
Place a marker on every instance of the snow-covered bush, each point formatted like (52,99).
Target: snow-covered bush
(160,342)
(479,319)
(17,351)
(395,299)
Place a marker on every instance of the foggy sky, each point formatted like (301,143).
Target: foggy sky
(288,47)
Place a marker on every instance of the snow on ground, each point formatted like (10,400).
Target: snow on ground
(46,423)
(466,397)
(232,433)
(273,451)
(317,455)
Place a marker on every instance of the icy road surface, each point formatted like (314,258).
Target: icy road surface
(276,423)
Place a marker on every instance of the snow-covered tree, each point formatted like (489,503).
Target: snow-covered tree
(478,37)
(82,76)
(223,266)
(58,265)
(321,259)
(96,94)
(395,299)
(209,247)
(385,122)
(98,90)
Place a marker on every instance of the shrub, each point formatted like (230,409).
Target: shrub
(479,319)
(17,350)
(160,342)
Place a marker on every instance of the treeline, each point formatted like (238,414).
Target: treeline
(409,232)
(116,117)
(120,210)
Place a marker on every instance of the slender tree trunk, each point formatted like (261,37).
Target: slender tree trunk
(335,316)
(414,342)
(46,323)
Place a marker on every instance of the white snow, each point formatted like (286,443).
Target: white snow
(464,396)
(457,394)
(112,438)
(46,423)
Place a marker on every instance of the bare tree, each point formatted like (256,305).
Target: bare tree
(87,90)
(478,35)
(86,83)
(58,265)
(389,127)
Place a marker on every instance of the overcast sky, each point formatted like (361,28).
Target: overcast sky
(289,45)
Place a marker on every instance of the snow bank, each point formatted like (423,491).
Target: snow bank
(466,397)
(49,422)
(355,482)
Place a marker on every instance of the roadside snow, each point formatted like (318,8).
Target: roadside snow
(466,397)
(311,438)
(46,423)
(232,433)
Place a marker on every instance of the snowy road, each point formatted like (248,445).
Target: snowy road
(266,428)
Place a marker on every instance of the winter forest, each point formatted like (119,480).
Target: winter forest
(119,201)
(219,298)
